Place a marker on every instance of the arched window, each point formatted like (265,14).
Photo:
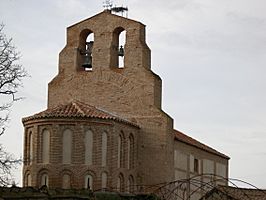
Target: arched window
(118,52)
(104,180)
(27,179)
(66,181)
(86,50)
(45,146)
(88,182)
(131,152)
(88,147)
(120,183)
(104,148)
(131,184)
(67,146)
(45,179)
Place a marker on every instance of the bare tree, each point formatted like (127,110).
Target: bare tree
(11,74)
(7,163)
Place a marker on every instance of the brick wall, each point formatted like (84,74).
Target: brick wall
(78,169)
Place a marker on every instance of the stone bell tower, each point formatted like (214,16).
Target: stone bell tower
(104,127)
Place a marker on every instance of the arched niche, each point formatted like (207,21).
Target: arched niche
(66,181)
(67,146)
(45,146)
(104,148)
(88,147)
(104,180)
(131,149)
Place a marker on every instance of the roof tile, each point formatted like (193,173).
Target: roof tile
(191,141)
(77,110)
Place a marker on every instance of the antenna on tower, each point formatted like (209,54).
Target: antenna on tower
(108,4)
(120,9)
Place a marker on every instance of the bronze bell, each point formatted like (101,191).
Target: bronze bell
(87,61)
(121,51)
(87,55)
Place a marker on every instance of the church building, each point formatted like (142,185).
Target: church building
(104,128)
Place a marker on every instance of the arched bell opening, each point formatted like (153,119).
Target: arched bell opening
(118,50)
(86,50)
(121,47)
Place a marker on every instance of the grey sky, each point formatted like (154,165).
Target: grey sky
(211,56)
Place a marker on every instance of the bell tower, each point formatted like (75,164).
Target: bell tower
(84,64)
(103,119)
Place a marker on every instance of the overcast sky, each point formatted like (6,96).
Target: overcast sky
(210,54)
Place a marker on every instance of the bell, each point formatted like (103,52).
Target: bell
(121,51)
(87,61)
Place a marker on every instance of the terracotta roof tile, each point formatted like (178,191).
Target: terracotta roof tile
(191,141)
(77,110)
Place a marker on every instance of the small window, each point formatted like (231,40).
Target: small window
(88,182)
(196,165)
(45,180)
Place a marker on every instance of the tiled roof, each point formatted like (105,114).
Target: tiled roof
(77,110)
(236,193)
(191,141)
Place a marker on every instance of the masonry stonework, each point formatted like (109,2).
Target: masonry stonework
(123,102)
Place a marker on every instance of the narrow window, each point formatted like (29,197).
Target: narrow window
(66,181)
(104,148)
(88,147)
(88,182)
(45,146)
(45,179)
(67,146)
(104,180)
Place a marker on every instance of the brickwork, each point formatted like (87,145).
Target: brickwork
(133,93)
(78,169)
